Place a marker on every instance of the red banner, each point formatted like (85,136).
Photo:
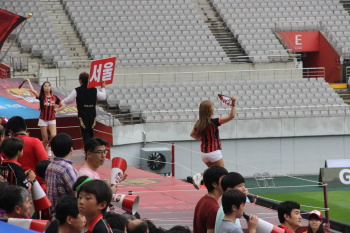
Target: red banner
(303,41)
(8,22)
(5,71)
(102,71)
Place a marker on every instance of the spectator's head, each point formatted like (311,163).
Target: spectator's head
(83,79)
(94,197)
(212,178)
(138,226)
(233,201)
(95,151)
(116,221)
(15,202)
(12,147)
(80,181)
(67,216)
(289,214)
(15,125)
(179,229)
(233,180)
(315,222)
(41,167)
(62,145)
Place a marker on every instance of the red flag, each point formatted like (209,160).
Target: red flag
(8,22)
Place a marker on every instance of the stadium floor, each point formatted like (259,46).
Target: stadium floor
(165,200)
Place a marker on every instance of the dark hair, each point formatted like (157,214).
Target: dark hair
(11,146)
(3,185)
(61,145)
(80,180)
(212,175)
(231,180)
(179,229)
(66,206)
(320,229)
(286,207)
(41,167)
(84,78)
(232,197)
(92,143)
(151,226)
(100,189)
(12,196)
(16,124)
(116,221)
(140,228)
(42,95)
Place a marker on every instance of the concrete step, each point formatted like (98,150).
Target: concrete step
(65,30)
(218,27)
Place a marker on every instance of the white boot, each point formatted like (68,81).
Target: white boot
(49,152)
(196,180)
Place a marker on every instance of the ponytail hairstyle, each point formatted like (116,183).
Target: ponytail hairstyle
(205,114)
(42,95)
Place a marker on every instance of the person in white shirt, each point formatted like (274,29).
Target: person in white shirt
(86,99)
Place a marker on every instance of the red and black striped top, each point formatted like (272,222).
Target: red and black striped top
(211,140)
(48,113)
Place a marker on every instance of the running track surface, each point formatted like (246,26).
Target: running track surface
(165,200)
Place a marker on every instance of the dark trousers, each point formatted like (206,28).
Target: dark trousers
(87,127)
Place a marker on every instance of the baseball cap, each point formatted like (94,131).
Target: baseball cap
(317,213)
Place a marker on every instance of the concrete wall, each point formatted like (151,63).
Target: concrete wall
(282,146)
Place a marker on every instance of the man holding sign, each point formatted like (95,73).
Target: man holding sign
(86,104)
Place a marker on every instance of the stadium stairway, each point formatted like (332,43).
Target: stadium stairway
(219,29)
(65,30)
(345,95)
(346,5)
(23,64)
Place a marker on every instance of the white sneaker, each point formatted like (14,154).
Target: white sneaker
(196,180)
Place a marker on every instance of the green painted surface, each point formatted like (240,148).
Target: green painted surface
(307,193)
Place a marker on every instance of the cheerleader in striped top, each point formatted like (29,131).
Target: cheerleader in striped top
(206,130)
(48,108)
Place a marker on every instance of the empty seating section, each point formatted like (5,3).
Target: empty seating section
(253,23)
(145,33)
(38,36)
(171,32)
(255,99)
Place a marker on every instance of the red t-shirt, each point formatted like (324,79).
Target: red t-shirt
(48,113)
(205,214)
(33,152)
(286,229)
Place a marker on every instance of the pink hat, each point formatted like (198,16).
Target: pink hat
(317,213)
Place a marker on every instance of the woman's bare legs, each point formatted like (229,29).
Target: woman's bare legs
(44,136)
